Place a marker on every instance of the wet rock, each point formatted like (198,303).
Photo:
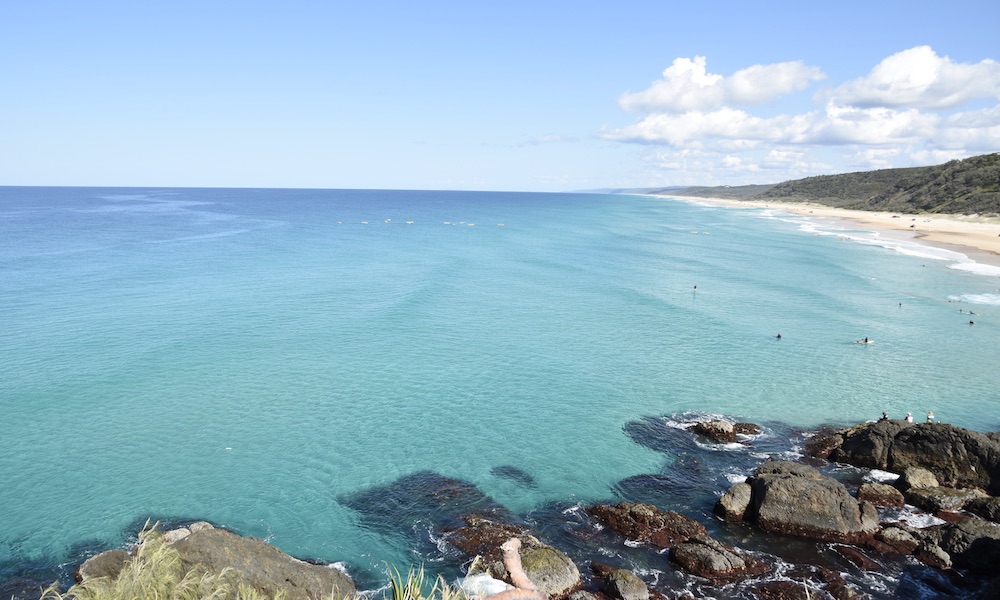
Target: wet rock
(795,499)
(261,566)
(823,442)
(176,535)
(916,477)
(933,555)
(936,499)
(720,432)
(647,523)
(625,585)
(514,474)
(106,564)
(858,558)
(880,494)
(732,506)
(987,508)
(583,595)
(898,539)
(782,590)
(973,544)
(746,428)
(482,537)
(705,557)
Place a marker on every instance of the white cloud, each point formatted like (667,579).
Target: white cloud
(687,86)
(906,111)
(919,78)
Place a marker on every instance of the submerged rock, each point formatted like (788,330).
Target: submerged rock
(514,474)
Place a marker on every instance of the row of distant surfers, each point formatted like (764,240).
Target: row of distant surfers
(909,417)
(861,341)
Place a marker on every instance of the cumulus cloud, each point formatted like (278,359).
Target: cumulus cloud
(919,78)
(686,85)
(907,110)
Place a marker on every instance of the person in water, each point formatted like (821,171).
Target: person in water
(777,337)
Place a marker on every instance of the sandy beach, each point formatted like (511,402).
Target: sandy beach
(975,236)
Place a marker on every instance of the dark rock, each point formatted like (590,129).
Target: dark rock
(106,564)
(625,585)
(654,489)
(933,555)
(823,442)
(647,523)
(706,557)
(916,477)
(583,595)
(795,499)
(941,498)
(514,474)
(957,457)
(858,558)
(656,434)
(720,432)
(973,544)
(782,590)
(880,494)
(987,508)
(261,566)
(746,428)
(732,506)
(482,537)
(867,445)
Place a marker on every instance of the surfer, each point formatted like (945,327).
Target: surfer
(777,337)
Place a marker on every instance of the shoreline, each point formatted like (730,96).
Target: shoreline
(975,236)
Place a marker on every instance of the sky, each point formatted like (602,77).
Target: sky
(519,96)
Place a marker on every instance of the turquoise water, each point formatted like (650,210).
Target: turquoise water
(251,357)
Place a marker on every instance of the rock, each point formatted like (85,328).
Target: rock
(550,569)
(898,539)
(858,558)
(625,585)
(987,507)
(706,557)
(823,442)
(482,536)
(261,566)
(933,555)
(957,457)
(106,564)
(916,477)
(200,526)
(176,535)
(746,428)
(720,432)
(582,595)
(732,506)
(867,445)
(880,494)
(782,590)
(795,499)
(973,544)
(941,498)
(647,523)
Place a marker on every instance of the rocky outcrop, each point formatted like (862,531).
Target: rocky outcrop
(261,566)
(935,499)
(106,564)
(647,523)
(551,570)
(987,508)
(705,557)
(957,457)
(733,505)
(724,432)
(916,477)
(796,499)
(623,584)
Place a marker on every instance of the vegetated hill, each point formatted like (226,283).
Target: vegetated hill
(970,186)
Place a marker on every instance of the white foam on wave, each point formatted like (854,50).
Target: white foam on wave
(985,299)
(880,476)
(976,268)
(911,515)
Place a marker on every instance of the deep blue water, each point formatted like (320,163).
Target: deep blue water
(264,358)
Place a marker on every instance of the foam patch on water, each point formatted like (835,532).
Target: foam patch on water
(984,299)
(879,476)
(976,268)
(911,515)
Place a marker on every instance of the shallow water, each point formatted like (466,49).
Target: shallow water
(258,357)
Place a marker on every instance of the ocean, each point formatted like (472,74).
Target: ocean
(265,358)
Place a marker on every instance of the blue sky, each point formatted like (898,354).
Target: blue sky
(540,96)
